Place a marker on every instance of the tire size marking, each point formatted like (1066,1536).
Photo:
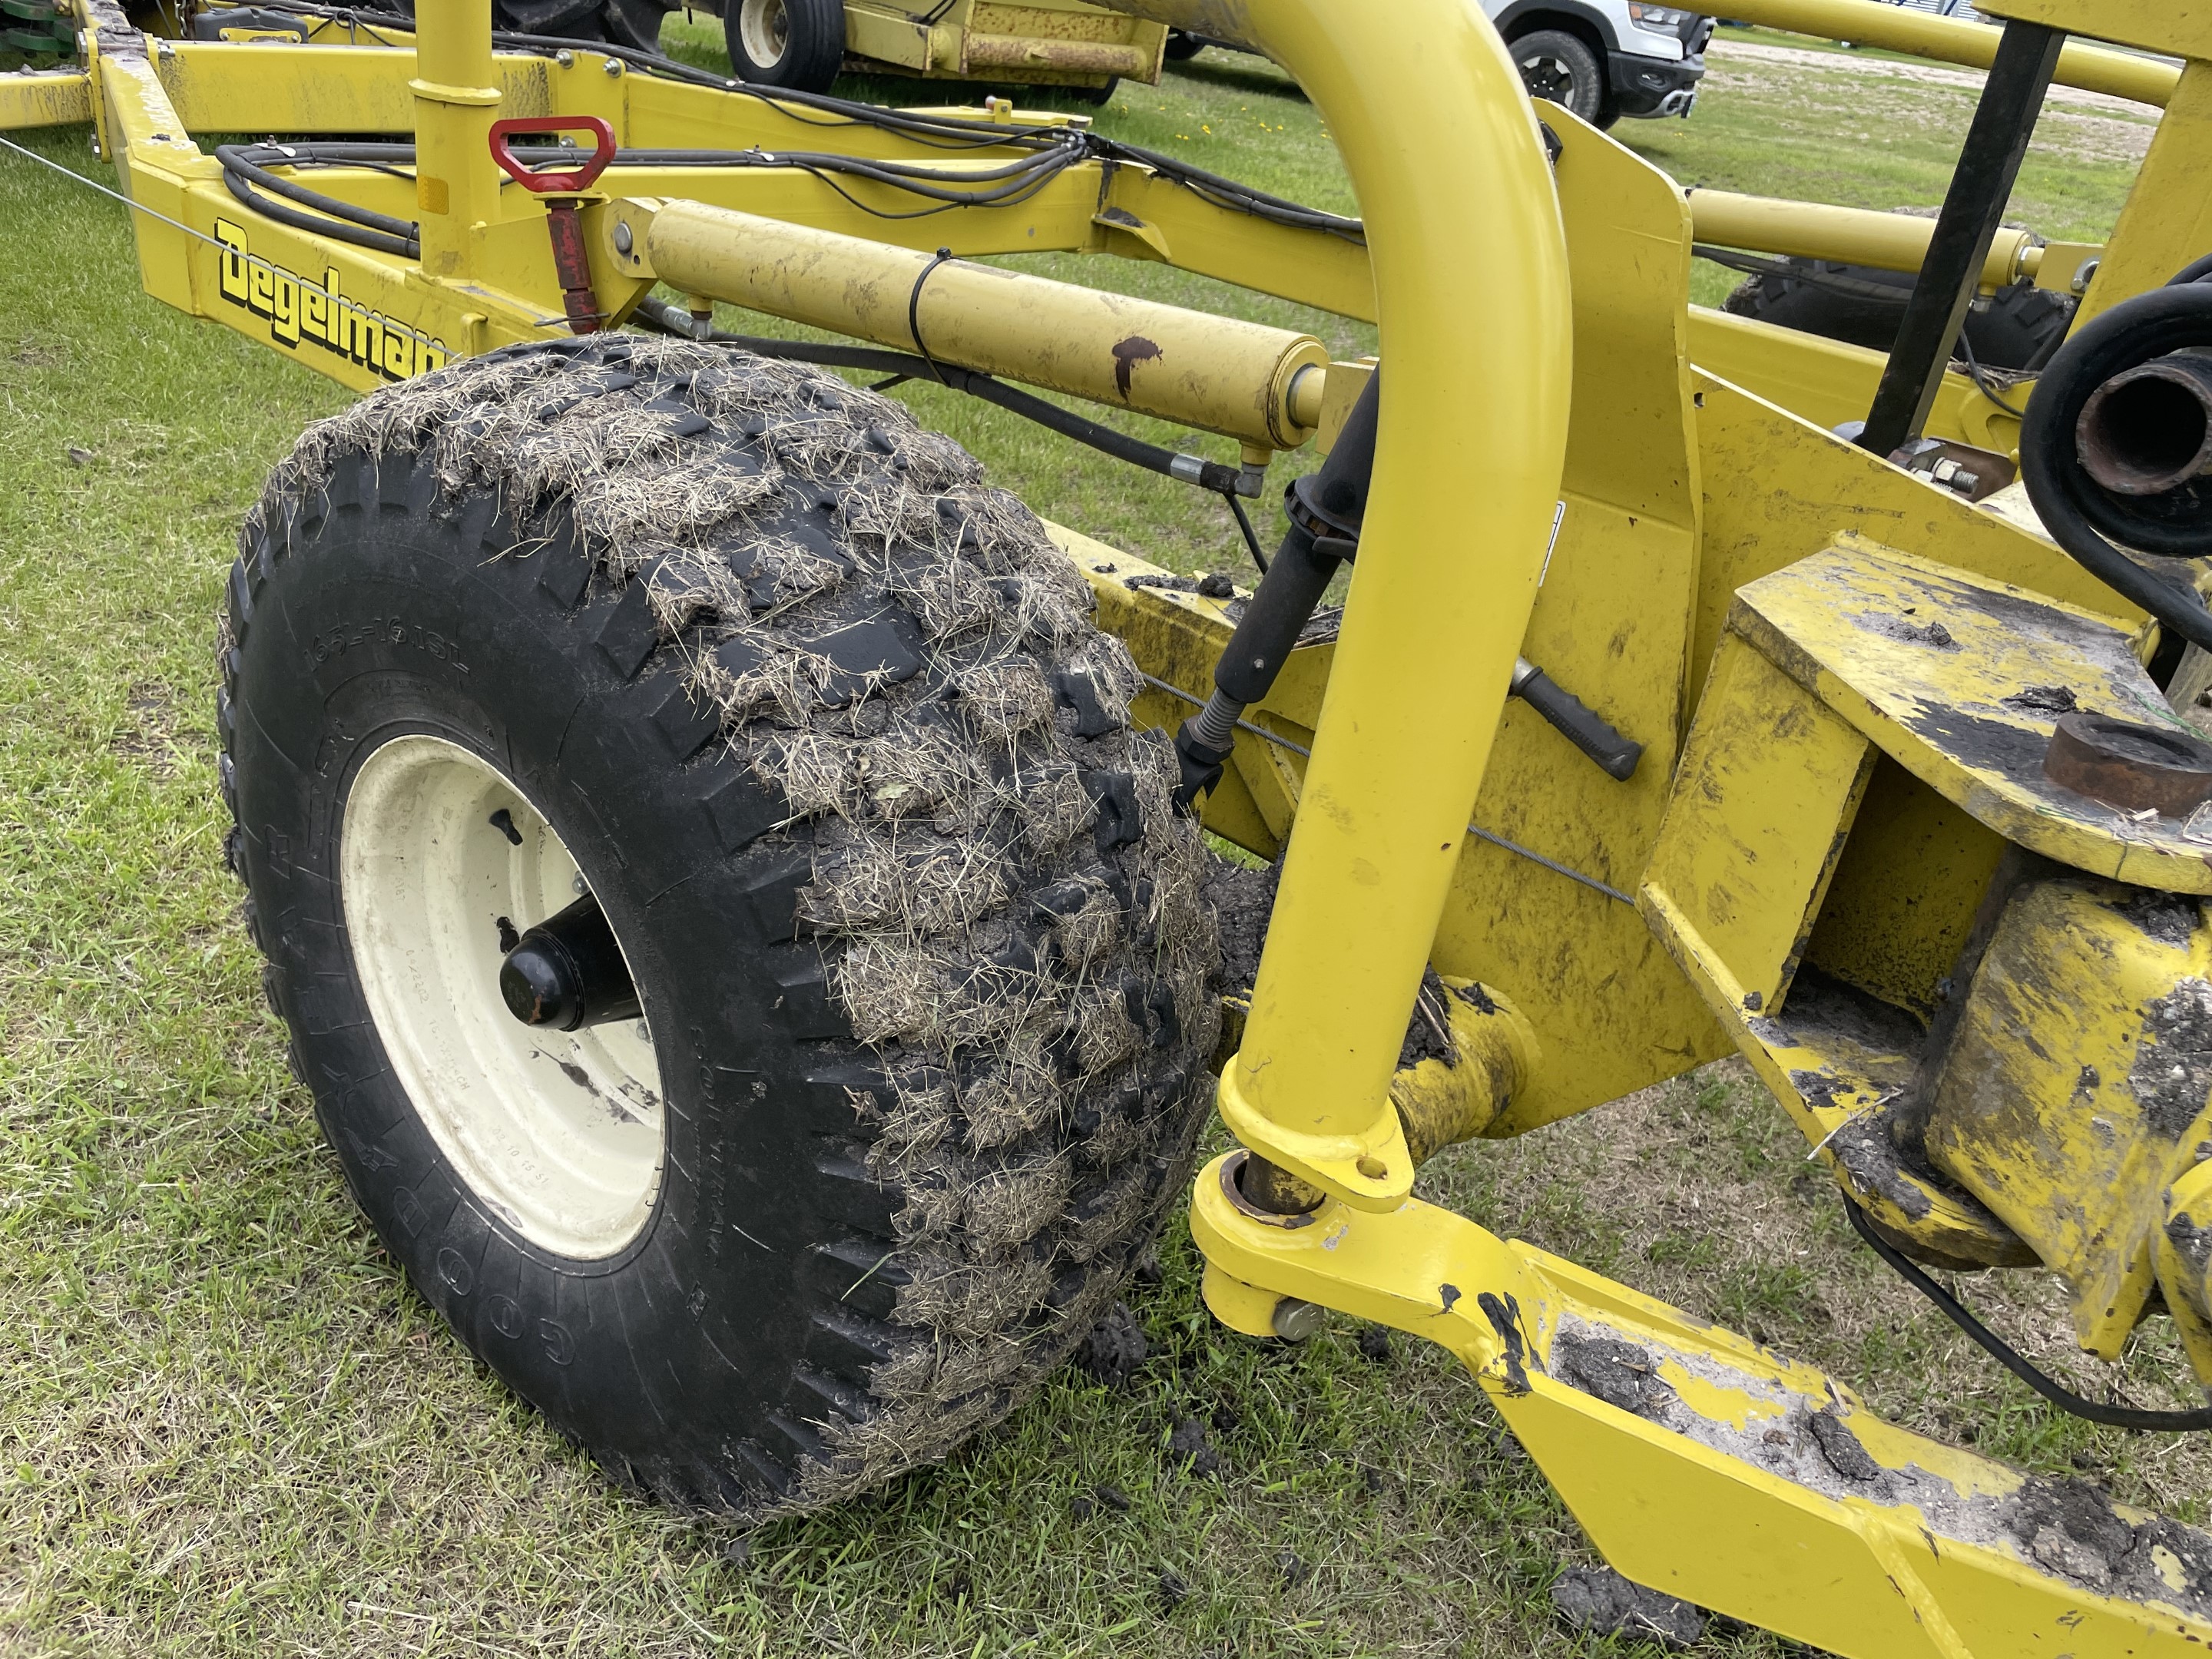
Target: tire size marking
(385,630)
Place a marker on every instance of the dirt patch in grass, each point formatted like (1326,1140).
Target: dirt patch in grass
(1861,101)
(152,733)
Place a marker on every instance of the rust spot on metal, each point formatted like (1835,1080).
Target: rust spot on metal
(2130,765)
(1127,354)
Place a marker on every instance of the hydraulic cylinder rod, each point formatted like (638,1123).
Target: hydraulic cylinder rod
(1258,385)
(1858,236)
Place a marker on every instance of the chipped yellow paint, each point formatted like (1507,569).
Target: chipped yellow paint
(1768,786)
(1930,1551)
(2080,1036)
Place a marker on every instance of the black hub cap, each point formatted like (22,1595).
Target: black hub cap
(568,972)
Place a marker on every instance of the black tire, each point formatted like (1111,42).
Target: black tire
(1561,67)
(798,44)
(1095,96)
(2019,329)
(919,937)
(1182,46)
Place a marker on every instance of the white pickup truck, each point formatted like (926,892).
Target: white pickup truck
(1600,59)
(1607,58)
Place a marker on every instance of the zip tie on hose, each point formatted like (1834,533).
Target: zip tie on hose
(914,311)
(1479,833)
(2112,1417)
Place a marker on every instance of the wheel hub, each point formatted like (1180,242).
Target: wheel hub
(461,900)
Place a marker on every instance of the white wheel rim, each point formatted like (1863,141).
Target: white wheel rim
(560,1133)
(765,27)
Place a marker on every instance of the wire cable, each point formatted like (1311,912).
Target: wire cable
(1980,376)
(2112,1417)
(224,248)
(1244,524)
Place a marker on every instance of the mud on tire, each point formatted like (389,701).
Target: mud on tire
(826,724)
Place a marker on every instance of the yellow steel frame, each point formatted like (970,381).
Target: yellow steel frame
(1590,478)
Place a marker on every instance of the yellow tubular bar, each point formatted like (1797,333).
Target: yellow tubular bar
(1471,445)
(43,100)
(1889,242)
(1259,384)
(456,99)
(1948,41)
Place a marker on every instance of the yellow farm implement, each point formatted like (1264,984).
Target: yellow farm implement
(734,895)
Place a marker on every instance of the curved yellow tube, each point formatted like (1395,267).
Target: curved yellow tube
(1470,270)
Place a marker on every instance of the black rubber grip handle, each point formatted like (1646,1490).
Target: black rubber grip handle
(1615,754)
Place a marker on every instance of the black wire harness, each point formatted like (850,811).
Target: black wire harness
(2112,1417)
(1065,145)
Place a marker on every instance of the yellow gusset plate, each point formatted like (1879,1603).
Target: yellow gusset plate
(1937,669)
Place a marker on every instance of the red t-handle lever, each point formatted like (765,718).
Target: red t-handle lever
(552,182)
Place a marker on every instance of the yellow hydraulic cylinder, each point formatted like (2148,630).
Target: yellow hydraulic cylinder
(1860,236)
(1954,40)
(1259,384)
(1462,225)
(456,99)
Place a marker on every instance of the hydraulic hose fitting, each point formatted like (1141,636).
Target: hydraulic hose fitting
(2148,429)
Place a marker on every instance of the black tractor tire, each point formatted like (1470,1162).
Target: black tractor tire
(795,44)
(2018,329)
(826,725)
(1561,67)
(1183,46)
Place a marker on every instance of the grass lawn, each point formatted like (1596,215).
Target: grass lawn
(227,1426)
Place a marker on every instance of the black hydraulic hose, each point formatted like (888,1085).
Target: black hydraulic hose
(336,229)
(950,130)
(1229,192)
(1213,475)
(2112,1417)
(2079,514)
(1325,509)
(343,221)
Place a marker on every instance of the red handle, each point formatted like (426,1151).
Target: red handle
(548,182)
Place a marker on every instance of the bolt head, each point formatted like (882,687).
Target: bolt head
(623,240)
(565,58)
(614,68)
(1296,1321)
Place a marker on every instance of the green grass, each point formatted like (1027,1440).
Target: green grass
(229,1428)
